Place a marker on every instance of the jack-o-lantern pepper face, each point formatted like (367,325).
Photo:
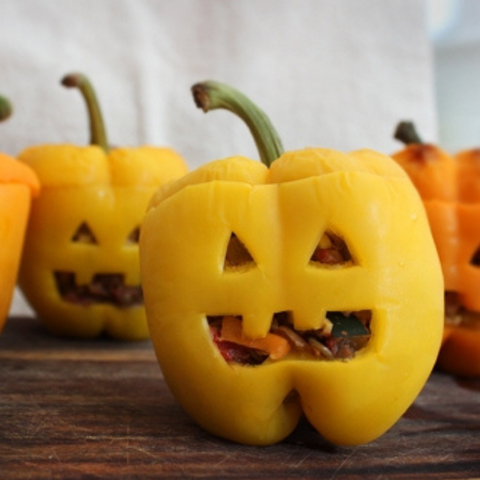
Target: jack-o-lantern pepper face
(450,189)
(310,287)
(18,184)
(80,270)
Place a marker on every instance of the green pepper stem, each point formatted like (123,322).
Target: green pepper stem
(406,133)
(98,134)
(5,108)
(211,95)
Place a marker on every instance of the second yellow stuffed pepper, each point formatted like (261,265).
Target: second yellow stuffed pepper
(80,269)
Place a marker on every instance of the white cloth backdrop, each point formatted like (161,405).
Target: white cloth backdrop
(336,74)
(457,60)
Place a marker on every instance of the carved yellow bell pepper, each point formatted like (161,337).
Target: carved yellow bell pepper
(80,270)
(306,286)
(18,184)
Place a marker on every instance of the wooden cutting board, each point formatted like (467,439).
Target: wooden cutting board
(100,409)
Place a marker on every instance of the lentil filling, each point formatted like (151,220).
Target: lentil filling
(456,314)
(104,288)
(344,334)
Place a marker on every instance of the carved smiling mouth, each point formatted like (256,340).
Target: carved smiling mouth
(105,288)
(344,334)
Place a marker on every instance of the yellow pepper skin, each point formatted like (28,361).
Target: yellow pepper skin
(109,193)
(80,269)
(280,214)
(18,184)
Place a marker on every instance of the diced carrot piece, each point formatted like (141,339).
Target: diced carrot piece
(275,345)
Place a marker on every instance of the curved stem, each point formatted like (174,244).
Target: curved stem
(5,108)
(98,134)
(406,133)
(212,95)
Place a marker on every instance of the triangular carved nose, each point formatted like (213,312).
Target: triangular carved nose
(84,234)
(237,254)
(475,260)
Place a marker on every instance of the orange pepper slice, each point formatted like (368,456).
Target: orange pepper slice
(275,345)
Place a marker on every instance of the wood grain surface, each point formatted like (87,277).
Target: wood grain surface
(100,410)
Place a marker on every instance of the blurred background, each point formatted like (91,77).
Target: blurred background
(331,74)
(454,31)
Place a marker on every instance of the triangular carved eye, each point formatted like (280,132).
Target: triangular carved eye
(237,254)
(134,236)
(84,235)
(331,250)
(475,260)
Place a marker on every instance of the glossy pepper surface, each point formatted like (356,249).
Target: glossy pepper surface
(80,270)
(18,184)
(250,246)
(450,188)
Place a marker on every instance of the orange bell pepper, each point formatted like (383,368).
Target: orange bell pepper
(18,184)
(450,188)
